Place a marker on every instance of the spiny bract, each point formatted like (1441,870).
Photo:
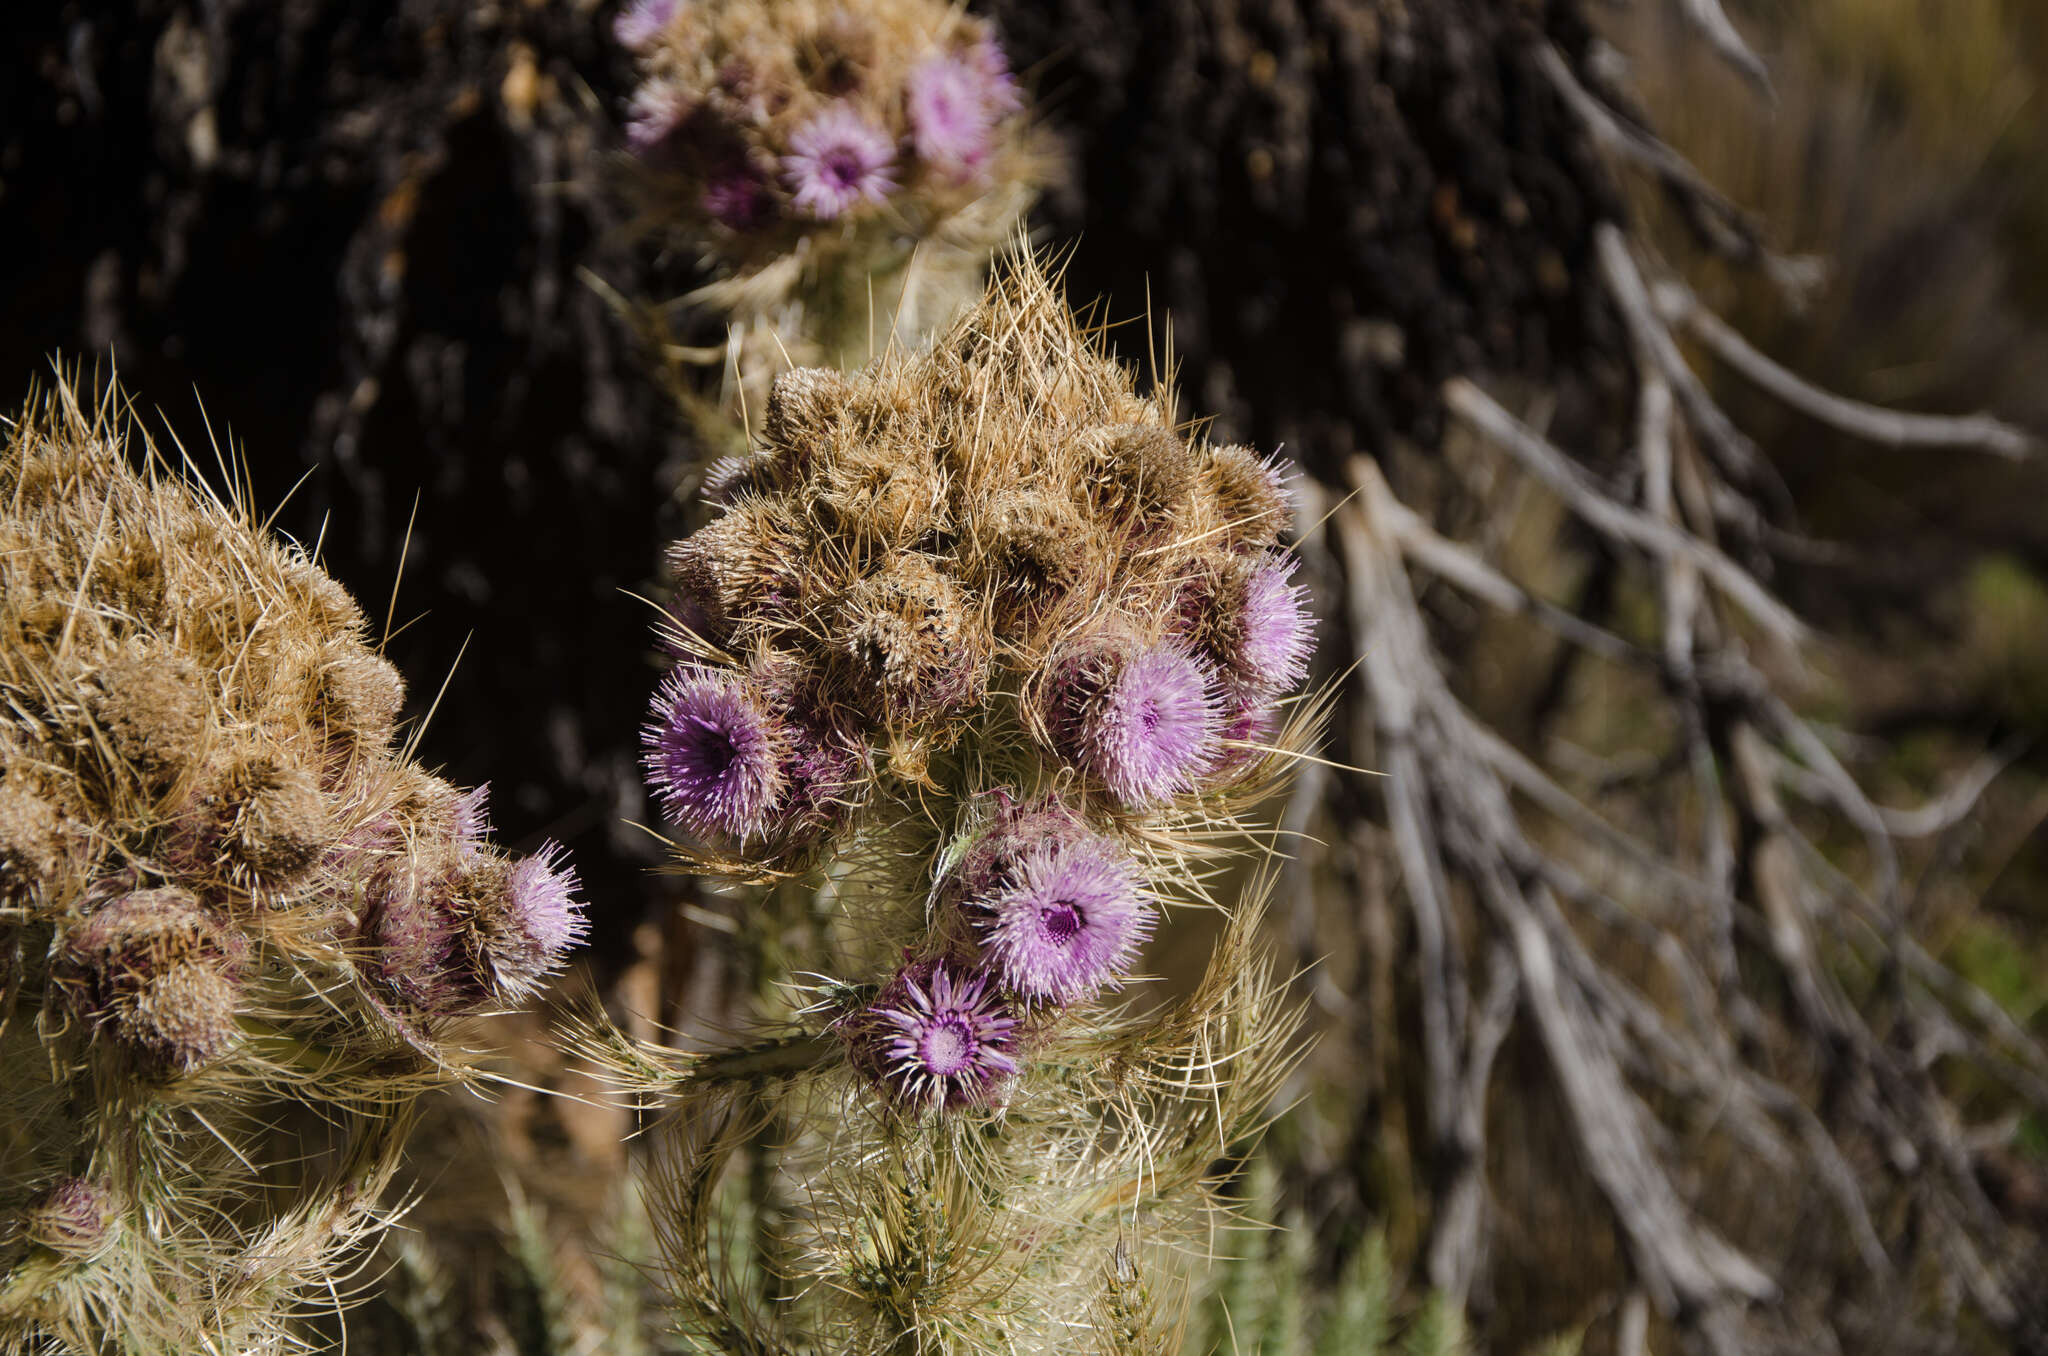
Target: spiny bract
(237,922)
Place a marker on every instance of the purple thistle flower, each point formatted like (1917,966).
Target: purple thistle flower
(641,22)
(950,114)
(657,110)
(989,867)
(1144,721)
(542,893)
(998,87)
(1070,922)
(1275,633)
(472,819)
(713,755)
(739,201)
(943,1038)
(838,160)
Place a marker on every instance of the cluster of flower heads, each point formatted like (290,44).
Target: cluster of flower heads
(223,888)
(768,120)
(990,589)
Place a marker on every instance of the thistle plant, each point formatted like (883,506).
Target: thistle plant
(826,162)
(239,926)
(983,663)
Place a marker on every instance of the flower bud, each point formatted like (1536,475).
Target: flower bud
(74,1219)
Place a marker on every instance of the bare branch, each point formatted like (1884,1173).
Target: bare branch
(1871,423)
(1631,526)
(1714,25)
(1723,225)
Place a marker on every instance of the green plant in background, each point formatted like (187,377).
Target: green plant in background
(991,658)
(240,927)
(1281,1291)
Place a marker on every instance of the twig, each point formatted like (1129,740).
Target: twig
(1871,423)
(1624,524)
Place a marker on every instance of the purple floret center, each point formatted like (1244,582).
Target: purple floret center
(1061,922)
(947,1047)
(844,168)
(1149,716)
(706,749)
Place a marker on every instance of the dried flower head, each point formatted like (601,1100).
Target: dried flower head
(945,1038)
(29,838)
(1250,493)
(277,820)
(1069,920)
(360,694)
(910,638)
(714,754)
(151,707)
(74,1219)
(151,969)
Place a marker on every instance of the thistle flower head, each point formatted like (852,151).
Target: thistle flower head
(1277,637)
(713,754)
(953,110)
(998,85)
(944,1036)
(1250,492)
(1069,920)
(641,22)
(544,909)
(1141,718)
(74,1219)
(837,161)
(1248,731)
(657,111)
(153,970)
(1249,622)
(416,936)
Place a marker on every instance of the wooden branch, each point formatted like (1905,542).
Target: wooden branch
(1566,479)
(1707,18)
(1719,222)
(1871,423)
